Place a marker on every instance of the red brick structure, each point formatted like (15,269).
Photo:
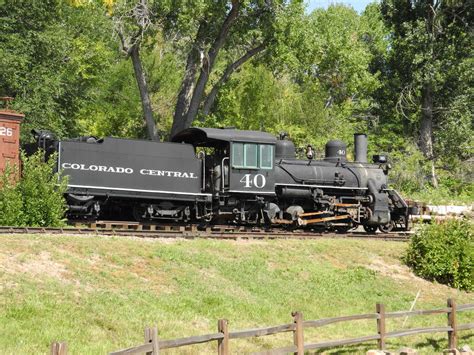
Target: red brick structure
(9,136)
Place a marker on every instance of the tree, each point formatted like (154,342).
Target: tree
(242,29)
(231,68)
(431,42)
(52,55)
(131,25)
(313,80)
(333,64)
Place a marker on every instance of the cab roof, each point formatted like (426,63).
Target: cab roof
(211,136)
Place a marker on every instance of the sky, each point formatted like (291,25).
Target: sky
(358,5)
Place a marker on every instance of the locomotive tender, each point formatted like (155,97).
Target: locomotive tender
(227,175)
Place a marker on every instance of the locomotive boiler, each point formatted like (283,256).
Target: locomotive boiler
(335,190)
(212,175)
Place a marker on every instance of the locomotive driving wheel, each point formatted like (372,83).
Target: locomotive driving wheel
(370,229)
(343,228)
(387,228)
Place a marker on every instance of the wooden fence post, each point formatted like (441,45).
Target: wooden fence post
(223,344)
(380,309)
(58,348)
(151,336)
(298,335)
(452,334)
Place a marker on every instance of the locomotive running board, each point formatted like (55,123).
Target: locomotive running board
(305,222)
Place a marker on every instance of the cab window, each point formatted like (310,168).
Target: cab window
(238,155)
(266,156)
(252,156)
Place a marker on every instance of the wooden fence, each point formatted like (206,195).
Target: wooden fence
(153,344)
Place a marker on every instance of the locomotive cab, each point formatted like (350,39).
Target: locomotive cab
(241,161)
(240,170)
(251,167)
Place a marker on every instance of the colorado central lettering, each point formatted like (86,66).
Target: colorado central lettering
(176,174)
(100,168)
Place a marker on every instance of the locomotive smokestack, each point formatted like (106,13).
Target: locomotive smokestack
(360,147)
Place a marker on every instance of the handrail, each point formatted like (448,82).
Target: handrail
(203,163)
(223,173)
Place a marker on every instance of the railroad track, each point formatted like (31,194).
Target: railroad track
(134,229)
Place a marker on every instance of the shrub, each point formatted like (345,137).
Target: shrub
(11,211)
(444,253)
(37,199)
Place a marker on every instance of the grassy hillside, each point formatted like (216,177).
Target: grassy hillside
(99,293)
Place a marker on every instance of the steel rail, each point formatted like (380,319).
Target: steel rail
(133,229)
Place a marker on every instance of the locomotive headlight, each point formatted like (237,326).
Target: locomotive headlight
(379,159)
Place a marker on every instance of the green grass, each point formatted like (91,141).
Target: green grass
(98,294)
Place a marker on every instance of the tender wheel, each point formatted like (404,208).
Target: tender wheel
(139,214)
(370,229)
(387,228)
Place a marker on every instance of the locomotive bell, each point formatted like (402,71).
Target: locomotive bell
(335,151)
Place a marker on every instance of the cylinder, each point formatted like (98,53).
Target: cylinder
(360,147)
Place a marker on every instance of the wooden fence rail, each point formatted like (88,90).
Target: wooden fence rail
(153,344)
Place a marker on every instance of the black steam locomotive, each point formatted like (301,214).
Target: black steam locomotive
(227,176)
